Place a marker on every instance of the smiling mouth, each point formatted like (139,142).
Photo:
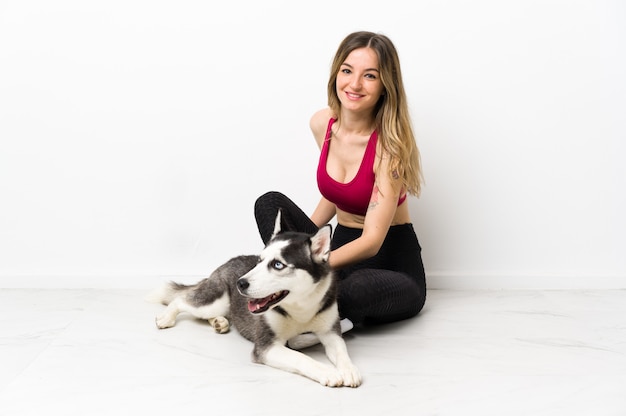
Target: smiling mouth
(353,96)
(262,305)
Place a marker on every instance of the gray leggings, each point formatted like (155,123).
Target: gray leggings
(391,286)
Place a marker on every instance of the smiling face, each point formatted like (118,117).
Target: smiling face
(358,82)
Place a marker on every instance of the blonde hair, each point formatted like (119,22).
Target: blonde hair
(392,118)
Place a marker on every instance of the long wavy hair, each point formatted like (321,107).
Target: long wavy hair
(392,118)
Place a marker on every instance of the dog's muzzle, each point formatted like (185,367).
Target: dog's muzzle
(260,305)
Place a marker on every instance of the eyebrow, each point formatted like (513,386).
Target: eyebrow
(368,69)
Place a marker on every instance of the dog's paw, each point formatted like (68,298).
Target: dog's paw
(331,378)
(165,321)
(351,376)
(220,324)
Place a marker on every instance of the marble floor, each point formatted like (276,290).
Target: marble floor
(98,352)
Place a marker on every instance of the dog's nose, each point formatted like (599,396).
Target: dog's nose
(243,284)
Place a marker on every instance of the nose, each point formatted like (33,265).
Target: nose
(355,83)
(243,284)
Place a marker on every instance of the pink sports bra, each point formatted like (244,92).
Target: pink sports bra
(355,196)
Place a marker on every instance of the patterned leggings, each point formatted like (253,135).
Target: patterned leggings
(388,287)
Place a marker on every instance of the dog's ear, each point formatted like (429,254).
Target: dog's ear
(320,244)
(276,225)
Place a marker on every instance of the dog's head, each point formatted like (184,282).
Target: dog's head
(290,268)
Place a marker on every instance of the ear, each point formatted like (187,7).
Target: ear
(276,225)
(320,244)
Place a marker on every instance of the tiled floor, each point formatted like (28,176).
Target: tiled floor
(98,352)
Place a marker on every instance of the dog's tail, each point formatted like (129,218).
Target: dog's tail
(167,292)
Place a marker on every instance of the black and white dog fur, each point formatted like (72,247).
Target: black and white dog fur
(287,290)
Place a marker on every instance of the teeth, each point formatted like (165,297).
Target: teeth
(255,305)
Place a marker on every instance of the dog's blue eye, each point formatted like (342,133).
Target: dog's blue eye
(278,265)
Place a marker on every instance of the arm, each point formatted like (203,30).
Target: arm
(378,219)
(324,212)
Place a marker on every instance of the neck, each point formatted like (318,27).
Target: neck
(355,126)
(300,308)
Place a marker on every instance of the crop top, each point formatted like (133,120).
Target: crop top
(355,196)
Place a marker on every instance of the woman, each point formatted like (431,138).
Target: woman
(368,164)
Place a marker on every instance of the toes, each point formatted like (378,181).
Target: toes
(351,377)
(332,379)
(220,324)
(163,322)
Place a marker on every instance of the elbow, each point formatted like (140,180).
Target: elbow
(371,250)
(371,244)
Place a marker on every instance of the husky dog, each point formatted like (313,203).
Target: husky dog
(287,290)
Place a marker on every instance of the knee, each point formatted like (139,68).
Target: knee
(269,198)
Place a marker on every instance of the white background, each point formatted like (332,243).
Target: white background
(136,135)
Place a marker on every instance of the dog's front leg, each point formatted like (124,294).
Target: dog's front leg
(283,358)
(337,353)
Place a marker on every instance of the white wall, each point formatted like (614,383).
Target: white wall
(136,135)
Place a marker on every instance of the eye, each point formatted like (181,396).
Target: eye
(346,71)
(278,265)
(370,76)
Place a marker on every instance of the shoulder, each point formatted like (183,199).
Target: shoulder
(383,160)
(319,124)
(382,156)
(383,166)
